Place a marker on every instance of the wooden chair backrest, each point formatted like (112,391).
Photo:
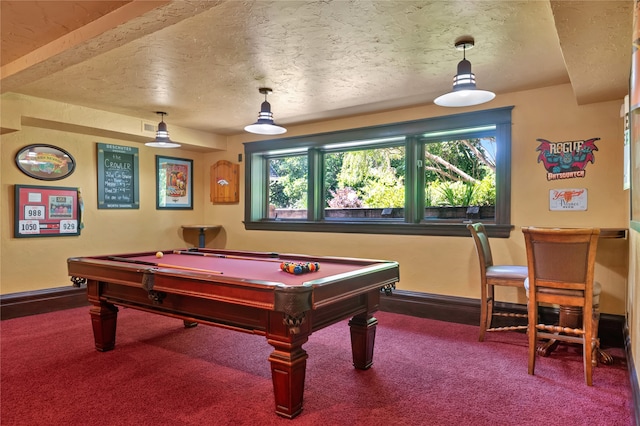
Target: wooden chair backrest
(480,237)
(561,259)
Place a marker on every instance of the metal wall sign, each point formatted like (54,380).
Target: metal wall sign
(568,199)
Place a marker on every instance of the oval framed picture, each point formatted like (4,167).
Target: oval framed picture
(45,162)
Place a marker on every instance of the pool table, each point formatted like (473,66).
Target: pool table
(244,291)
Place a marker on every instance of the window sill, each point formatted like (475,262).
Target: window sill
(370,227)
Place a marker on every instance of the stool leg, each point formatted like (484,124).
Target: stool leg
(484,315)
(600,355)
(532,310)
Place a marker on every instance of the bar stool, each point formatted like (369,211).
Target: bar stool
(492,275)
(561,265)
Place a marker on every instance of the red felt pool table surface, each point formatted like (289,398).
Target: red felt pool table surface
(266,270)
(243,291)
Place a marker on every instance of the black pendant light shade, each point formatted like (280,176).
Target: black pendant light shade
(265,124)
(162,135)
(464,92)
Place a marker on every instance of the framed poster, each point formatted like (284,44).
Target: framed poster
(174,183)
(46,211)
(118,184)
(45,162)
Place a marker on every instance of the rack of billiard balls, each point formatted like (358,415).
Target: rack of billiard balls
(299,268)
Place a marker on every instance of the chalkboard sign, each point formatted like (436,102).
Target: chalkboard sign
(118,186)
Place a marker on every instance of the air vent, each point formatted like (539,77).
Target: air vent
(148,127)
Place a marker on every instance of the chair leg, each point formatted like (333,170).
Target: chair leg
(490,304)
(588,359)
(589,320)
(483,312)
(592,344)
(596,341)
(533,336)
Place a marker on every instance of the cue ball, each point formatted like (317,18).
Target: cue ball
(159,254)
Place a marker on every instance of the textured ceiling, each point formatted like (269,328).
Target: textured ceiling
(203,61)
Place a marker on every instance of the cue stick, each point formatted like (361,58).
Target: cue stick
(225,256)
(162,265)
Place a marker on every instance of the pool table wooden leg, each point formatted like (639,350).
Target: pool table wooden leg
(363,336)
(104,317)
(288,367)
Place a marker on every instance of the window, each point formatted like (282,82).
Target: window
(423,177)
(365,182)
(288,185)
(460,174)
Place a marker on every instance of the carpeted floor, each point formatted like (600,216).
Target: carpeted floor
(425,372)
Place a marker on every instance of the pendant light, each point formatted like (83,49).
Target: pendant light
(464,91)
(162,135)
(265,124)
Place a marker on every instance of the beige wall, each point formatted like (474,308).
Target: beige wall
(447,265)
(443,265)
(38,263)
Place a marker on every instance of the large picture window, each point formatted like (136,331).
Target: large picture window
(423,177)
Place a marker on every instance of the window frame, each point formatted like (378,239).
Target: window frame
(256,191)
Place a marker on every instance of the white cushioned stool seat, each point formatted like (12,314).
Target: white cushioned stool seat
(515,272)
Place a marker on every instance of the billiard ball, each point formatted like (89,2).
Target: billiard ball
(159,254)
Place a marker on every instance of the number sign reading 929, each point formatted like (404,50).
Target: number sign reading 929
(46,211)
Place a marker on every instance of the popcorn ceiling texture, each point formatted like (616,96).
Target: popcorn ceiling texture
(203,61)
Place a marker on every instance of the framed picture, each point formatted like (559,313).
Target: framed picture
(45,162)
(46,211)
(174,183)
(118,182)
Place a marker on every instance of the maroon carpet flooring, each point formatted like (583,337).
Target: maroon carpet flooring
(425,372)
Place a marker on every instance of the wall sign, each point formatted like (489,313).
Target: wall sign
(566,160)
(45,162)
(46,211)
(568,199)
(174,183)
(118,184)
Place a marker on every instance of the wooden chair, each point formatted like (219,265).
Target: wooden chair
(561,264)
(492,275)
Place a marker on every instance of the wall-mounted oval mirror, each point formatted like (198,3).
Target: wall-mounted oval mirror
(45,162)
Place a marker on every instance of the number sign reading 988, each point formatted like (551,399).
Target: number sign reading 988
(34,212)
